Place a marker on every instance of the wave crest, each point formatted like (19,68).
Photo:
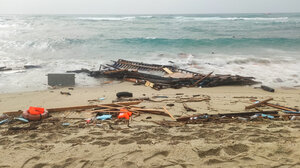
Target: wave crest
(184,18)
(219,42)
(107,18)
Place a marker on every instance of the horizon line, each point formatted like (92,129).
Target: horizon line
(147,13)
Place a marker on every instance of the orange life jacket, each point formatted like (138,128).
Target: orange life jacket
(36,110)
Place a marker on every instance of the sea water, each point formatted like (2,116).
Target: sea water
(265,46)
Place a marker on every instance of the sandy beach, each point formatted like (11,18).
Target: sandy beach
(48,143)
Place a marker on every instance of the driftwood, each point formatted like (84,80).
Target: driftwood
(65,93)
(281,107)
(258,104)
(32,66)
(5,69)
(169,123)
(278,106)
(82,70)
(241,114)
(267,88)
(200,80)
(182,100)
(169,113)
(150,111)
(52,110)
(131,99)
(187,108)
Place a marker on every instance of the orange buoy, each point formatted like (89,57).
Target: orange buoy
(35,113)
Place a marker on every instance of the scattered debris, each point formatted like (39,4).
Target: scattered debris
(82,70)
(65,124)
(4,121)
(61,79)
(159,97)
(104,117)
(223,115)
(273,105)
(170,104)
(21,119)
(267,88)
(65,93)
(5,69)
(115,113)
(35,113)
(188,108)
(258,103)
(124,94)
(169,113)
(32,66)
(165,76)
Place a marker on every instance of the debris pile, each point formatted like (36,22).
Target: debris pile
(165,76)
(127,109)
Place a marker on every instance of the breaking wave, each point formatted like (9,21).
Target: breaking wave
(238,42)
(107,18)
(184,18)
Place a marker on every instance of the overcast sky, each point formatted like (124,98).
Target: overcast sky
(146,6)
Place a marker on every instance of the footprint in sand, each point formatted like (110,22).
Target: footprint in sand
(213,161)
(126,141)
(264,139)
(101,143)
(236,149)
(210,152)
(5,141)
(157,154)
(129,164)
(32,159)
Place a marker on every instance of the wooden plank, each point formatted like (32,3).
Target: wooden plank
(61,109)
(169,113)
(200,80)
(105,111)
(187,108)
(146,110)
(241,114)
(280,107)
(168,70)
(130,103)
(13,113)
(258,104)
(157,112)
(51,110)
(150,84)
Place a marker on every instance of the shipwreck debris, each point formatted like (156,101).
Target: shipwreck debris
(267,88)
(165,76)
(124,94)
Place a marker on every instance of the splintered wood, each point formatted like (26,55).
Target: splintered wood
(165,76)
(187,108)
(258,103)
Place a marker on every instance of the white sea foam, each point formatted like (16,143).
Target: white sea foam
(107,18)
(145,16)
(183,18)
(150,38)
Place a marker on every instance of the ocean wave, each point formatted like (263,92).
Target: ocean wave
(232,42)
(107,18)
(184,18)
(145,16)
(250,60)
